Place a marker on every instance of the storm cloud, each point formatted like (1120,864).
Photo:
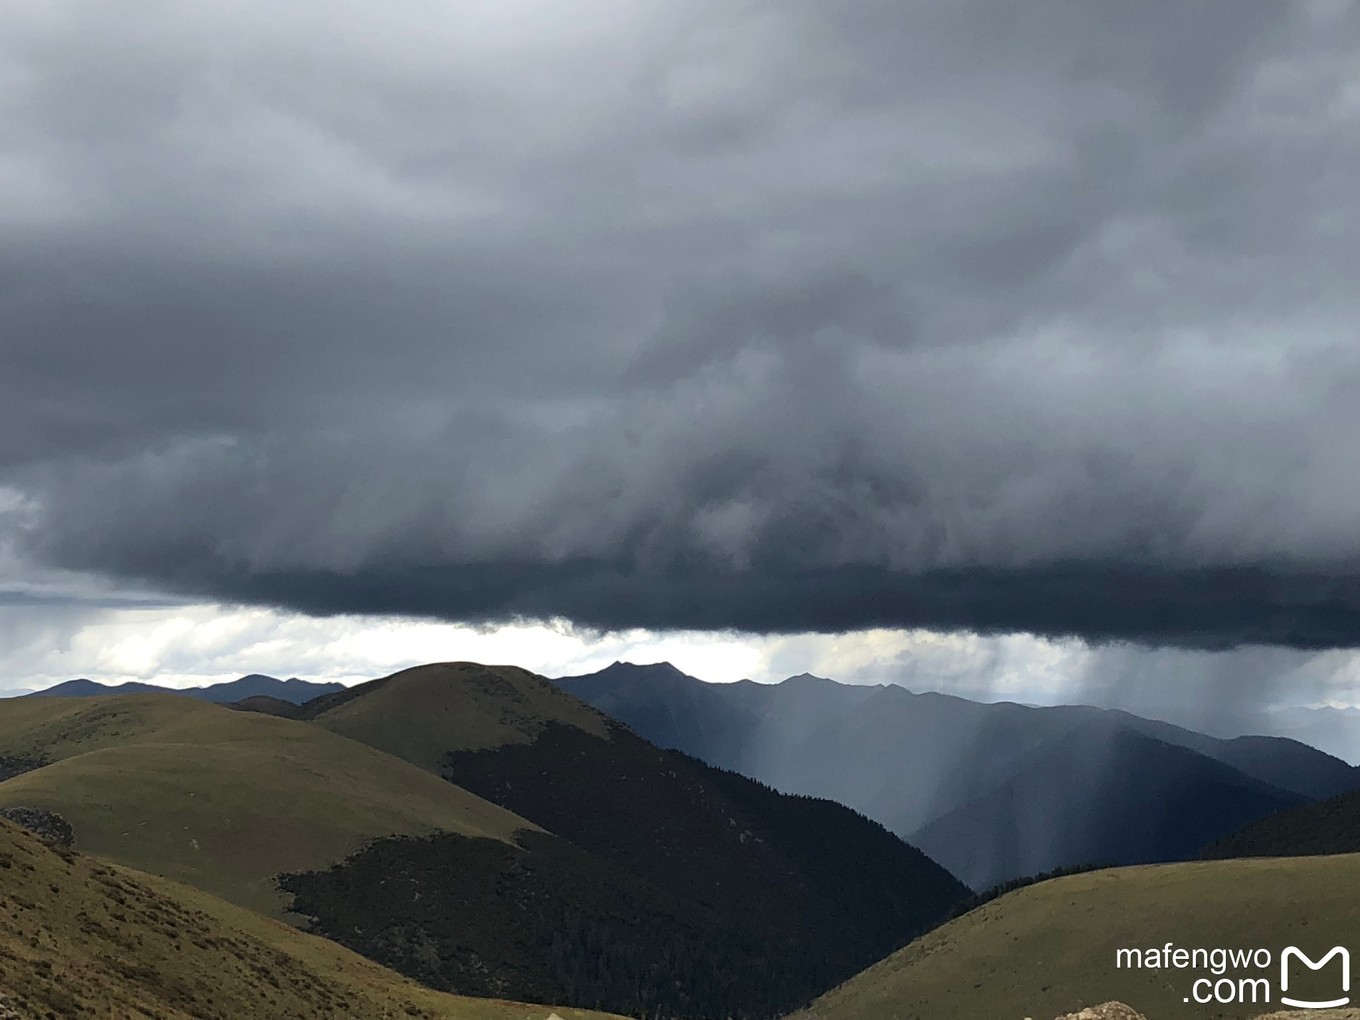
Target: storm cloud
(754,315)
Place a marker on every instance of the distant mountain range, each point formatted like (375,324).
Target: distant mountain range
(481,830)
(255,685)
(991,791)
(478,829)
(1334,730)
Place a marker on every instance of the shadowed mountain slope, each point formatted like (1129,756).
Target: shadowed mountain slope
(1283,762)
(913,760)
(1135,804)
(221,799)
(266,705)
(1334,730)
(661,886)
(83,688)
(81,938)
(1327,827)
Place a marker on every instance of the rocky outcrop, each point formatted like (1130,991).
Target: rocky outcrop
(17,765)
(1119,1011)
(47,824)
(1105,1011)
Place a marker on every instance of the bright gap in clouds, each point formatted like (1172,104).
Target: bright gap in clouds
(187,646)
(1227,693)
(190,645)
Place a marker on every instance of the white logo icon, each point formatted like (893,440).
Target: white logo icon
(1340,951)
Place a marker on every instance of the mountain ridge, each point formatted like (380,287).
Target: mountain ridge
(484,831)
(647,855)
(911,760)
(251,685)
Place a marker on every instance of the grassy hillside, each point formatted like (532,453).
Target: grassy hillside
(1050,948)
(80,938)
(421,713)
(666,885)
(221,799)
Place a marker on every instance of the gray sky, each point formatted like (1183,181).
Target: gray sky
(775,317)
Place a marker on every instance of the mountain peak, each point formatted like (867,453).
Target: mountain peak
(808,680)
(646,670)
(394,713)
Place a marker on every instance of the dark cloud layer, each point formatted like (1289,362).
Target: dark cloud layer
(1207,609)
(767,316)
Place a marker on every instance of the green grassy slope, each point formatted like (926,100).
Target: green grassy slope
(80,938)
(1050,948)
(421,713)
(222,799)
